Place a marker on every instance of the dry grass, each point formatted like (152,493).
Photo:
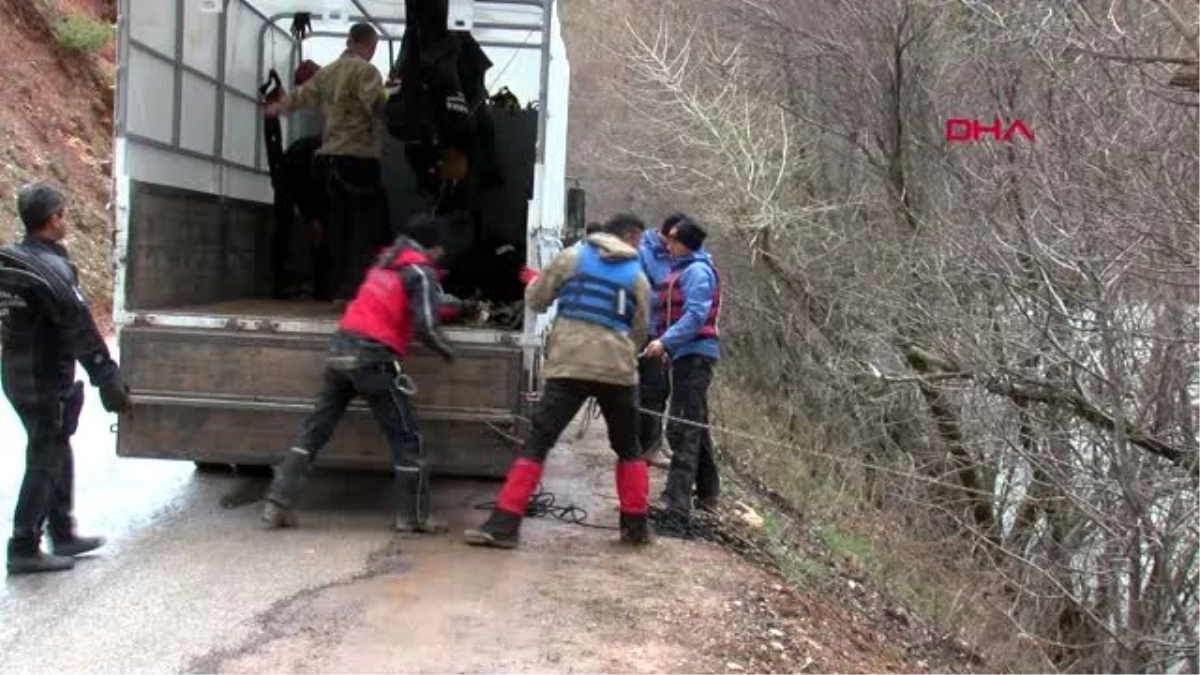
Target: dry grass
(935,576)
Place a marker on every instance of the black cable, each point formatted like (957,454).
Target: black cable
(542,503)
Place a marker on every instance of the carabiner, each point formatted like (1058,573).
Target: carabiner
(404,383)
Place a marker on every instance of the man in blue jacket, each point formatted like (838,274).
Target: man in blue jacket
(689,304)
(654,385)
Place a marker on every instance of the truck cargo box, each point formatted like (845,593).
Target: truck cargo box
(219,371)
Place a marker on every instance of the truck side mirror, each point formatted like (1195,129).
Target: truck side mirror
(576,215)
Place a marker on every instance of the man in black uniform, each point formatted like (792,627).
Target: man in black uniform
(47,327)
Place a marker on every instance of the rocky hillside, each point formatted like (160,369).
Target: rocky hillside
(58,61)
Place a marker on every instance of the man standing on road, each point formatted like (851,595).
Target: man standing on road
(399,296)
(351,95)
(603,300)
(47,327)
(654,383)
(689,304)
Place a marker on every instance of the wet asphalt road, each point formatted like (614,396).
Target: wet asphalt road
(182,578)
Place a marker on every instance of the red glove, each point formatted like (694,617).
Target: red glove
(448,312)
(527,275)
(441,274)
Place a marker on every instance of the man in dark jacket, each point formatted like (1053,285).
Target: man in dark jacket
(399,297)
(603,301)
(47,327)
(689,303)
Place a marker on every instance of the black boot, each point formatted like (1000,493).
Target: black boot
(25,557)
(501,530)
(413,508)
(635,529)
(677,496)
(280,509)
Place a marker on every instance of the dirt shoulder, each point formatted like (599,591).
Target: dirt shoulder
(569,599)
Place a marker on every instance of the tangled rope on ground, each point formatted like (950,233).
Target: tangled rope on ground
(697,526)
(542,503)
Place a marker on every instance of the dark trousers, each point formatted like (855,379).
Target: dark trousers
(562,399)
(358,220)
(48,489)
(375,381)
(654,387)
(281,241)
(692,461)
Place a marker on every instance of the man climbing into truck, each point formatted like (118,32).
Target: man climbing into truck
(399,297)
(351,95)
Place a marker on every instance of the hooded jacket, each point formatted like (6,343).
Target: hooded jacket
(583,350)
(697,283)
(656,263)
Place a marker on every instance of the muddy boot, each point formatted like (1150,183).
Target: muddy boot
(26,557)
(635,529)
(658,458)
(676,498)
(413,509)
(501,530)
(708,504)
(280,509)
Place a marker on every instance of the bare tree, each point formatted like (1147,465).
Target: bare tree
(1000,335)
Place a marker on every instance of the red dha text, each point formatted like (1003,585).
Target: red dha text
(970,131)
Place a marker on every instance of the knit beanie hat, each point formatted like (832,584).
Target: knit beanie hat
(690,234)
(672,220)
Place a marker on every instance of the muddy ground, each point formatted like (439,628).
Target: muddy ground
(189,585)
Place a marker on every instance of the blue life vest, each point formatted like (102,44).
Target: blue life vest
(601,291)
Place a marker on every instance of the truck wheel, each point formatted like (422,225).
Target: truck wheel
(258,470)
(213,467)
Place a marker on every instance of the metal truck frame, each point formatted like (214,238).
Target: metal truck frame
(220,375)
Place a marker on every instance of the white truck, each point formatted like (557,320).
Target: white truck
(220,372)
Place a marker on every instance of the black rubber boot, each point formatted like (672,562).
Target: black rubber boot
(708,504)
(413,508)
(677,496)
(26,557)
(636,529)
(280,509)
(501,530)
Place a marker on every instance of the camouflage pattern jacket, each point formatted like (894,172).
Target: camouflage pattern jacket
(583,350)
(351,97)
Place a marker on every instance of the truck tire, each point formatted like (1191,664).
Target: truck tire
(213,467)
(258,470)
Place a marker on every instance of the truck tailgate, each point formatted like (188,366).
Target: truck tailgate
(240,397)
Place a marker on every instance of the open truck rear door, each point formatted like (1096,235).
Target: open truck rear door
(220,372)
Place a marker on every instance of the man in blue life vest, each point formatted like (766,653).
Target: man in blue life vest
(654,383)
(603,309)
(689,303)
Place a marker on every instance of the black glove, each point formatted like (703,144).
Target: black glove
(114,395)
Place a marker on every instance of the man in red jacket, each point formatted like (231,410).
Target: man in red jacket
(399,298)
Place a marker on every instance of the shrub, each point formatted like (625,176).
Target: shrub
(79,33)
